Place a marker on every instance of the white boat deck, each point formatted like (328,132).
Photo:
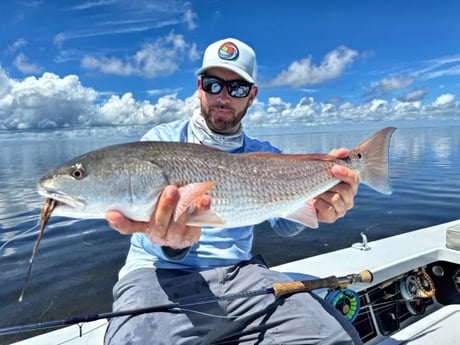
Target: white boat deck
(387,258)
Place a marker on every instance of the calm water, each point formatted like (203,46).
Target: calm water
(78,261)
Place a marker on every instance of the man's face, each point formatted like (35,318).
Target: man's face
(223,113)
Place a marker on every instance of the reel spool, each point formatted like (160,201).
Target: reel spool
(346,301)
(418,285)
(414,288)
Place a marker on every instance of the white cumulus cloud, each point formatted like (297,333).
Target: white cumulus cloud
(415,95)
(304,72)
(126,110)
(19,43)
(45,102)
(157,58)
(22,63)
(389,84)
(190,19)
(444,100)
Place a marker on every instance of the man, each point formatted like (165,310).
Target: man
(169,261)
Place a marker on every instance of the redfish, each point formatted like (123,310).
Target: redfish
(245,189)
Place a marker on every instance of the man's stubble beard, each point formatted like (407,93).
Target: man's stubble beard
(230,127)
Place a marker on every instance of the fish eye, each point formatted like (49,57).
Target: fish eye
(78,172)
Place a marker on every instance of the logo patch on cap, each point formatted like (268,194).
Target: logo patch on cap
(228,51)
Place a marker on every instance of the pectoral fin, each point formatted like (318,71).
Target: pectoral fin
(189,195)
(205,218)
(306,215)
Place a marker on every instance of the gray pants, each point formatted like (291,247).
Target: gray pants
(296,319)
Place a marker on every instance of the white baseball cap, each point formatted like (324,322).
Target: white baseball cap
(231,54)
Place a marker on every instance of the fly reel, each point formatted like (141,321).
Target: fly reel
(414,288)
(346,301)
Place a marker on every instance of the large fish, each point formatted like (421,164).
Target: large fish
(245,189)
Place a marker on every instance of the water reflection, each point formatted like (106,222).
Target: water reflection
(411,143)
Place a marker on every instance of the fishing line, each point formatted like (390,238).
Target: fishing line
(378,307)
(227,317)
(46,310)
(385,305)
(19,236)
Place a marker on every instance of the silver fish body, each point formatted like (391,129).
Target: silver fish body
(245,189)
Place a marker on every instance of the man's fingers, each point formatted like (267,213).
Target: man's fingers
(339,153)
(339,199)
(162,228)
(344,173)
(187,238)
(122,224)
(336,200)
(325,211)
(164,211)
(192,234)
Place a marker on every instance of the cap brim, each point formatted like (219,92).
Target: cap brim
(243,74)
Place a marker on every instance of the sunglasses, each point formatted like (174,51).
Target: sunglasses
(235,88)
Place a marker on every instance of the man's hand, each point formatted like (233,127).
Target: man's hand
(162,229)
(334,203)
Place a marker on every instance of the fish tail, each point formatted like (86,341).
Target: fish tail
(373,154)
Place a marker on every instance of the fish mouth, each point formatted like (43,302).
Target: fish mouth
(62,198)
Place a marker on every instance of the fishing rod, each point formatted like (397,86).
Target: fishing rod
(276,289)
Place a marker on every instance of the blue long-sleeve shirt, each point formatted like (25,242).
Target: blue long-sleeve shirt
(216,246)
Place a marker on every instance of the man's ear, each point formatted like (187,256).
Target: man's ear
(253,94)
(198,88)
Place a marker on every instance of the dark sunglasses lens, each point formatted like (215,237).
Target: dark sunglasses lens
(238,89)
(211,85)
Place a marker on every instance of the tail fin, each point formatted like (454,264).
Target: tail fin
(373,154)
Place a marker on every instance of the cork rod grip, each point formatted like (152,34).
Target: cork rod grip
(332,282)
(365,276)
(280,289)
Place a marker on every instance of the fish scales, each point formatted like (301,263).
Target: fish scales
(238,176)
(254,186)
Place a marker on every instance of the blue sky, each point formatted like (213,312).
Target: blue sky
(113,62)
